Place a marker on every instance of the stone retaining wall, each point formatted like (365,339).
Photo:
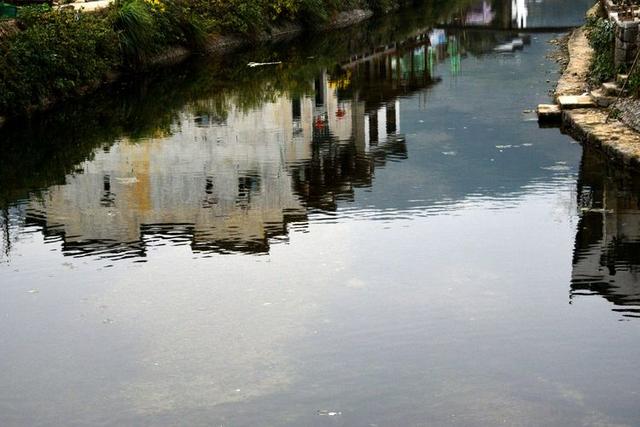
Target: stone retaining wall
(627,35)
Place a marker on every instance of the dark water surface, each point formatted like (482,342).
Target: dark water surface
(373,233)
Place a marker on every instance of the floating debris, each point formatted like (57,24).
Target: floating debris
(556,168)
(261,64)
(127,181)
(326,413)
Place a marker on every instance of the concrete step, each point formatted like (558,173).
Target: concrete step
(549,113)
(571,102)
(621,79)
(611,89)
(601,99)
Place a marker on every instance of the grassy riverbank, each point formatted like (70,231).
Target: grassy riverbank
(57,54)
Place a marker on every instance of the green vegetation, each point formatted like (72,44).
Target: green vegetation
(60,53)
(600,33)
(55,54)
(40,151)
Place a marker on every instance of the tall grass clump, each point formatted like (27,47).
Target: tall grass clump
(135,29)
(146,28)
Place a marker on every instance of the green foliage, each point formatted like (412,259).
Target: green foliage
(59,53)
(252,17)
(600,33)
(55,55)
(147,28)
(633,85)
(382,5)
(615,114)
(135,27)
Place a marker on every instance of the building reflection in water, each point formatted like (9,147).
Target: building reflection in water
(235,183)
(508,14)
(606,259)
(481,13)
(519,13)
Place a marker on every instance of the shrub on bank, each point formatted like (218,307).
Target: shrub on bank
(54,55)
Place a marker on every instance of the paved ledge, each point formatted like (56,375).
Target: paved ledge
(617,140)
(574,79)
(571,102)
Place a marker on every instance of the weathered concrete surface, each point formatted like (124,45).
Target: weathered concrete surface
(614,138)
(549,113)
(571,102)
(575,76)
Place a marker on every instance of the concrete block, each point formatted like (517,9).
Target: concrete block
(548,113)
(571,102)
(602,99)
(611,89)
(628,34)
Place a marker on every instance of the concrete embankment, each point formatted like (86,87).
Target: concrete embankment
(589,125)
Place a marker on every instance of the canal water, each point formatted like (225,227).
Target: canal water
(373,232)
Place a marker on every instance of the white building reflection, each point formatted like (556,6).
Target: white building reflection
(487,12)
(220,184)
(481,14)
(519,13)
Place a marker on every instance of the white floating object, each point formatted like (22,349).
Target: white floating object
(261,64)
(127,181)
(504,48)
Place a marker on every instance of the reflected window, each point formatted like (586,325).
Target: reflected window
(210,199)
(296,112)
(247,185)
(108,198)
